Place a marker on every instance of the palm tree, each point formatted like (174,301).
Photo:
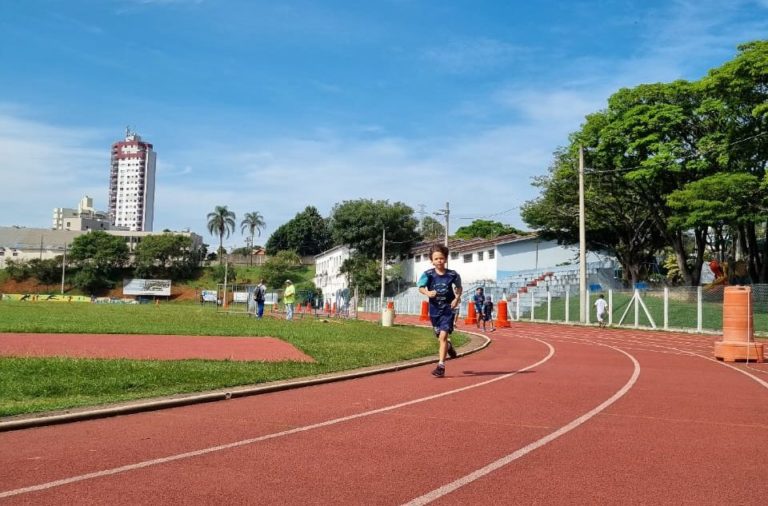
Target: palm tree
(221,221)
(254,223)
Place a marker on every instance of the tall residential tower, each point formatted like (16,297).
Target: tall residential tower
(132,183)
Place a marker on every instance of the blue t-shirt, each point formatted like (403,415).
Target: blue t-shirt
(443,285)
(479,300)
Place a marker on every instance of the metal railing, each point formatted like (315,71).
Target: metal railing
(698,309)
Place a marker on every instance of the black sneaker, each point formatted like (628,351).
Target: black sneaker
(451,351)
(439,371)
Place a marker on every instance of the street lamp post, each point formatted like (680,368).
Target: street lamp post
(582,244)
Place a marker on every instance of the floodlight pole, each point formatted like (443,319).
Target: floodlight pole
(383,262)
(582,244)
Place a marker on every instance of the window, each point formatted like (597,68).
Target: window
(468,258)
(454,255)
(417,258)
(479,256)
(491,254)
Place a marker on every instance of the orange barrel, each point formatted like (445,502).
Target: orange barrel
(738,327)
(738,323)
(502,320)
(471,313)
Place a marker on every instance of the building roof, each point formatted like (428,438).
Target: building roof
(30,238)
(461,245)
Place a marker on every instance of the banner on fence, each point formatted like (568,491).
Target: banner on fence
(147,287)
(209,296)
(35,297)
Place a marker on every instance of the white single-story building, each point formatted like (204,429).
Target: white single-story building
(506,261)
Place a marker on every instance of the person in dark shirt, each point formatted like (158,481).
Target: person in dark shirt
(443,287)
(488,313)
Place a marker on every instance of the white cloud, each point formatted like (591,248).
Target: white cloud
(46,166)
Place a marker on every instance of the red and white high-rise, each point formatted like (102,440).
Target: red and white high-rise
(132,183)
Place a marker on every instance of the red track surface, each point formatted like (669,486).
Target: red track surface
(546,415)
(268,349)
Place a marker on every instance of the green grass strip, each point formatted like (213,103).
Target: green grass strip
(30,385)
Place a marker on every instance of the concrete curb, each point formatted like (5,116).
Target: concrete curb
(477,343)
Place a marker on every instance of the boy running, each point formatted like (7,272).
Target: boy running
(488,312)
(443,287)
(601,308)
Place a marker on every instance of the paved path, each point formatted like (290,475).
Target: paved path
(546,415)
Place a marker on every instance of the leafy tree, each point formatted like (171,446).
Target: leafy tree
(279,267)
(359,224)
(431,229)
(98,257)
(18,270)
(220,271)
(616,219)
(220,222)
(167,255)
(363,273)
(486,229)
(47,271)
(103,251)
(306,234)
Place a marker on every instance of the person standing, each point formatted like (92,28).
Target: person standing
(289,298)
(478,299)
(488,313)
(601,308)
(443,287)
(259,295)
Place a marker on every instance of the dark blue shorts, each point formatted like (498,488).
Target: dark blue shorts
(443,321)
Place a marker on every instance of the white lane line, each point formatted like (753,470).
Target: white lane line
(244,442)
(493,466)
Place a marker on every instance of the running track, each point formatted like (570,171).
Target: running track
(547,414)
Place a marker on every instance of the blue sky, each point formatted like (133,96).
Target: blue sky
(273,106)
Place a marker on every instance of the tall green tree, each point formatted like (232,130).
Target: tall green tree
(98,256)
(167,256)
(220,222)
(736,104)
(486,229)
(359,224)
(279,267)
(431,229)
(363,273)
(306,234)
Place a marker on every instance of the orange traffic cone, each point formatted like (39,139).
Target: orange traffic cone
(738,327)
(502,319)
(333,308)
(424,316)
(471,314)
(327,307)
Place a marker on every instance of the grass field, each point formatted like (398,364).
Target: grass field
(29,385)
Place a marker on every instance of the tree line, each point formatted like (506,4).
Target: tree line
(675,174)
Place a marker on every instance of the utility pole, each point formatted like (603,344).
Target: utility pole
(582,244)
(383,263)
(445,212)
(63,268)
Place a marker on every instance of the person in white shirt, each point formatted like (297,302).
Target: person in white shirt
(602,310)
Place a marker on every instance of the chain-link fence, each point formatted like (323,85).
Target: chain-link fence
(674,308)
